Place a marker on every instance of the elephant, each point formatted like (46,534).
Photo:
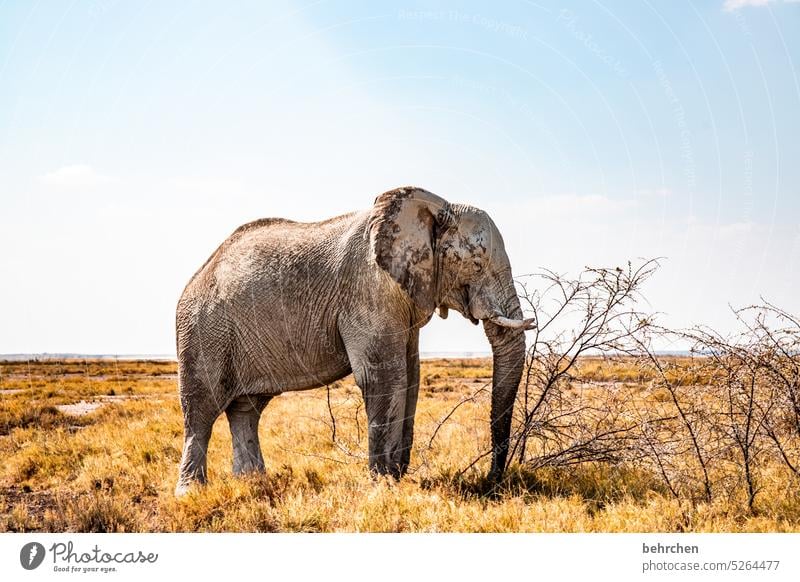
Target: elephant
(283,306)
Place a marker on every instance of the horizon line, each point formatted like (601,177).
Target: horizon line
(34,356)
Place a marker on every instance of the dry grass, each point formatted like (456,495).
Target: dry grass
(681,371)
(114,469)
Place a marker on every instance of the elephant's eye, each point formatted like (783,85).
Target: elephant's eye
(477,267)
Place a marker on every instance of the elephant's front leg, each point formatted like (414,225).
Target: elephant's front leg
(243,415)
(412,393)
(383,382)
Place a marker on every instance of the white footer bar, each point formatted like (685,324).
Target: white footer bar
(389,557)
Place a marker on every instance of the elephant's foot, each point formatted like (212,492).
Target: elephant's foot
(385,468)
(184,486)
(193,461)
(387,455)
(247,457)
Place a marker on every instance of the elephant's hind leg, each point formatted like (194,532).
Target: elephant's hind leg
(197,432)
(243,415)
(200,409)
(193,461)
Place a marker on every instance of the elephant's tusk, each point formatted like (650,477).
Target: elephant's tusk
(524,324)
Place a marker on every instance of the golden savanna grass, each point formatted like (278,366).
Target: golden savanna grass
(114,468)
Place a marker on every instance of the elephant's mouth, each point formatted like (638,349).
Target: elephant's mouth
(496,316)
(465,305)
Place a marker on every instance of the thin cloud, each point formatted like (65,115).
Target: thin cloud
(735,229)
(74,176)
(654,193)
(731,5)
(571,204)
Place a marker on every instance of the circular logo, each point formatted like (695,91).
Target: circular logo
(31,555)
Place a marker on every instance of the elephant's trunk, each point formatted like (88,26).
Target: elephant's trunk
(508,359)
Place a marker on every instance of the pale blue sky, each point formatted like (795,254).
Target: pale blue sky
(135,136)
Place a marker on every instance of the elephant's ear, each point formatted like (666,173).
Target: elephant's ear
(403,229)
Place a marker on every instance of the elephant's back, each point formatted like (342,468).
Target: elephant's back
(283,234)
(232,240)
(259,244)
(270,266)
(268,295)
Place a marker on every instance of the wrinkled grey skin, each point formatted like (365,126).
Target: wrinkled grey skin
(284,306)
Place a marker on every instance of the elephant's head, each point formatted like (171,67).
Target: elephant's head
(451,256)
